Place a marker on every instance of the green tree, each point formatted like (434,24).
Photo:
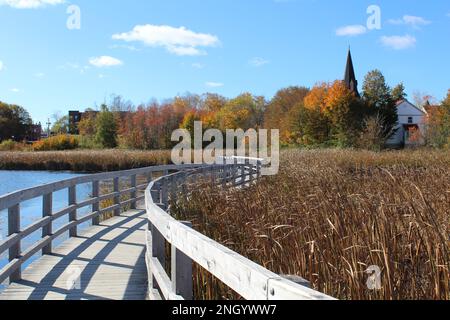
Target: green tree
(378,98)
(345,112)
(15,122)
(398,93)
(61,124)
(309,126)
(106,128)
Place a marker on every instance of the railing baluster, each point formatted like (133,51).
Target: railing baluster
(47,210)
(96,206)
(73,232)
(164,191)
(13,228)
(181,268)
(116,188)
(134,193)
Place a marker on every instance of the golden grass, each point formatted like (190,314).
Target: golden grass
(329,215)
(83,160)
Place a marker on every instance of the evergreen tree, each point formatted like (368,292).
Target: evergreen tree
(106,128)
(398,93)
(378,98)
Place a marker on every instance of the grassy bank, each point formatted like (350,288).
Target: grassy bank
(82,161)
(330,215)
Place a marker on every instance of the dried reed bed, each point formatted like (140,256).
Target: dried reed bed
(83,161)
(330,215)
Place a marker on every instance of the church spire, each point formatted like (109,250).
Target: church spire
(350,78)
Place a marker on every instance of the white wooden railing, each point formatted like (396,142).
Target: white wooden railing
(248,279)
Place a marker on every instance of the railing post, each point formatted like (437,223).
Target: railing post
(158,251)
(47,208)
(181,268)
(73,214)
(134,193)
(96,206)
(224,175)
(116,189)
(235,172)
(259,166)
(13,228)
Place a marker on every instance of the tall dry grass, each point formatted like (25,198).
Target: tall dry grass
(83,160)
(330,215)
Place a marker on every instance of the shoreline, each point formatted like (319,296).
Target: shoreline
(82,161)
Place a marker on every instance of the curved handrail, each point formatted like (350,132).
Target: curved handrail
(248,279)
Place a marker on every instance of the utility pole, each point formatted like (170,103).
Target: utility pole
(48,128)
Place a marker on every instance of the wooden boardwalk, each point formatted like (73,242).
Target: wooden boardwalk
(125,257)
(104,262)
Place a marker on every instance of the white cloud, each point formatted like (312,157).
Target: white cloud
(258,61)
(15,90)
(399,42)
(198,65)
(131,48)
(39,75)
(105,61)
(180,41)
(1,65)
(353,30)
(412,21)
(29,4)
(214,84)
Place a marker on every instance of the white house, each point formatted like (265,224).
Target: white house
(411,125)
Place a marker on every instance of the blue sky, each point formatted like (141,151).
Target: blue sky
(143,49)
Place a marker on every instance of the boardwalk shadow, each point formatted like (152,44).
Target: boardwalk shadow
(135,284)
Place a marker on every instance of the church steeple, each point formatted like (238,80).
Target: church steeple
(350,78)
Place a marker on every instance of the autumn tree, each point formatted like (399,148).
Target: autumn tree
(277,114)
(243,112)
(438,124)
(378,99)
(317,96)
(87,124)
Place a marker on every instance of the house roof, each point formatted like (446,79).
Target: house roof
(412,105)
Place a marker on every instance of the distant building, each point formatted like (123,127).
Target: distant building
(74,119)
(35,132)
(411,125)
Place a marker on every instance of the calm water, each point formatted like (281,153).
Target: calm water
(31,210)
